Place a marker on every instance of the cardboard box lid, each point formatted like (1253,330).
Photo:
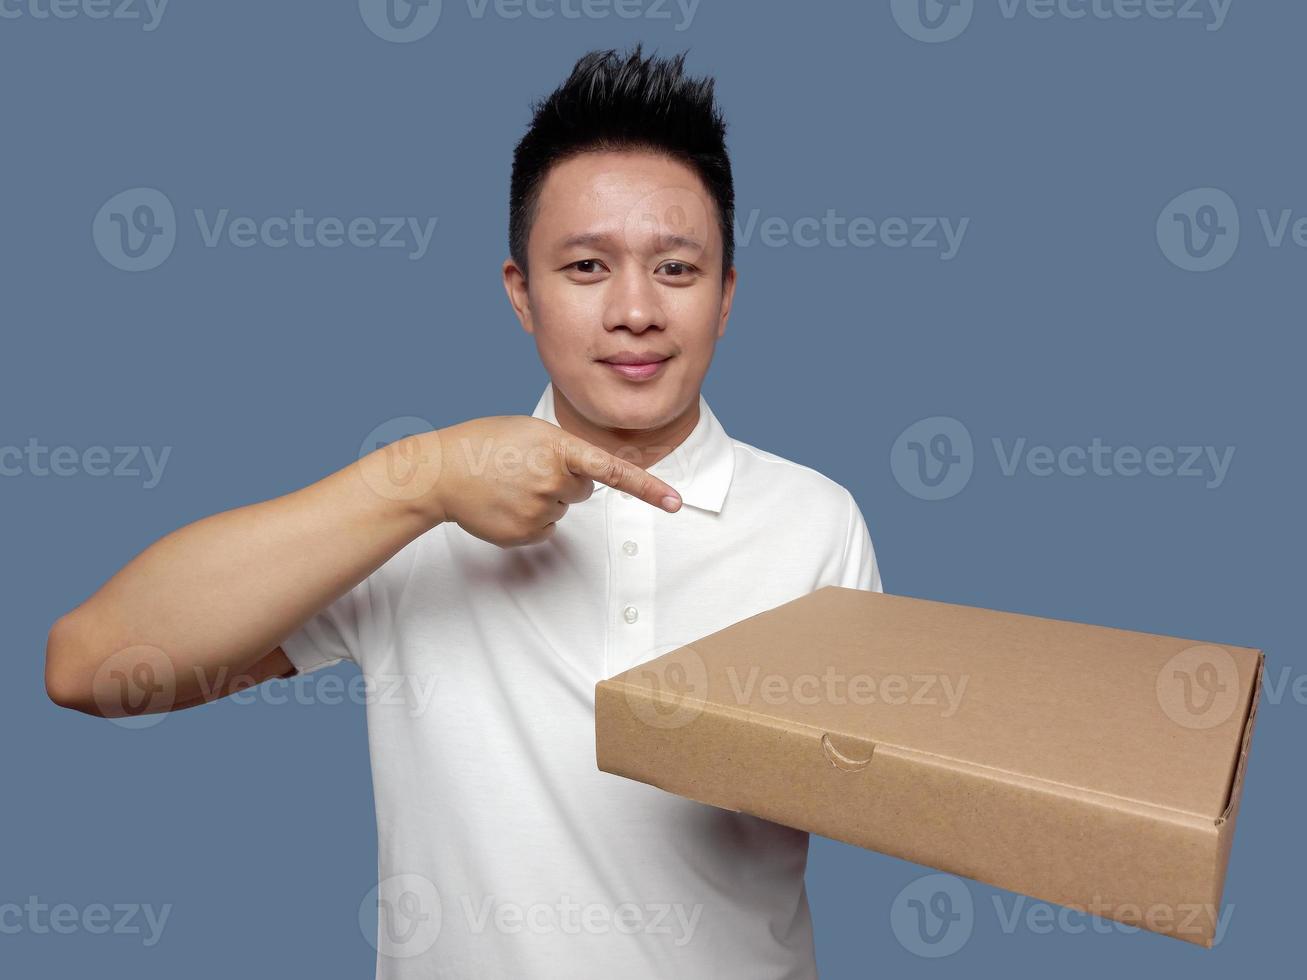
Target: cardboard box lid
(1134,718)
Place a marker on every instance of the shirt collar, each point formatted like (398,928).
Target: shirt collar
(699,469)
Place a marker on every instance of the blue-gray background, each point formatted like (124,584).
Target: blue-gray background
(1062,317)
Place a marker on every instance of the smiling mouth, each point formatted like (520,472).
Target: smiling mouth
(636,368)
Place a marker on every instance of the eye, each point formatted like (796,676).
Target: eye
(678,270)
(585,266)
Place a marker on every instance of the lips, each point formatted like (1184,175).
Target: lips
(635,357)
(636,366)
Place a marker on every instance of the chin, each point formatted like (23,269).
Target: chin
(634,410)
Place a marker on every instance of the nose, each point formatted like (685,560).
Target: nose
(633,301)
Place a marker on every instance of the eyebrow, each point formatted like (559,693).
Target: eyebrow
(666,242)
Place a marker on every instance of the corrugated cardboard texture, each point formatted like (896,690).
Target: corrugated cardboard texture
(1092,767)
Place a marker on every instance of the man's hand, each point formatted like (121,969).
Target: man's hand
(205,604)
(509,478)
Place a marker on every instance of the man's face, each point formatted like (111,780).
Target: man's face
(625,260)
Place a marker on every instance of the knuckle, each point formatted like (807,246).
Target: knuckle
(594,462)
(614,469)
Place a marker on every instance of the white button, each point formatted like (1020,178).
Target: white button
(630,547)
(630,614)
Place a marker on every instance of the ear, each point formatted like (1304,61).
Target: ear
(728,296)
(518,296)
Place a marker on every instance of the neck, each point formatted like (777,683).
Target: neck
(643,447)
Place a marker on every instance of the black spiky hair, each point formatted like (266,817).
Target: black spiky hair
(616,102)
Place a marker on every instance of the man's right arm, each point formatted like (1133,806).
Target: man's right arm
(212,601)
(216,596)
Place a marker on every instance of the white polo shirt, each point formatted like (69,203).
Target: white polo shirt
(504,852)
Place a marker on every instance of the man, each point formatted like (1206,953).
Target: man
(501,566)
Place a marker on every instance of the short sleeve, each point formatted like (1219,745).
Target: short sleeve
(859,569)
(334,633)
(358,625)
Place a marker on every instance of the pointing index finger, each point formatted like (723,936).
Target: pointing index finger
(584,459)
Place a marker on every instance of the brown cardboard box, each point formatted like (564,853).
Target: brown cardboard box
(1095,768)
